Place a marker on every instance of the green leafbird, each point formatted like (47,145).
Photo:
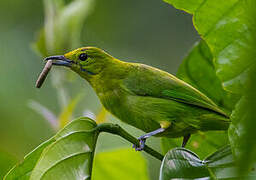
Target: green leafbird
(145,97)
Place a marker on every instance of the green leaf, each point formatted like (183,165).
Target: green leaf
(181,163)
(242,133)
(23,170)
(120,164)
(63,26)
(71,149)
(189,5)
(203,143)
(6,162)
(40,47)
(225,27)
(70,153)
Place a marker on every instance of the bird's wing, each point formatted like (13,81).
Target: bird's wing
(145,80)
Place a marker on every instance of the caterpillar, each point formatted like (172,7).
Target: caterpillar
(44,74)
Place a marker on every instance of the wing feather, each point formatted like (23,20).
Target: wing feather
(145,80)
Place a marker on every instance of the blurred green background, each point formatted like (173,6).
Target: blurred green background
(150,32)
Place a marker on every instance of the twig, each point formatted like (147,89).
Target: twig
(117,130)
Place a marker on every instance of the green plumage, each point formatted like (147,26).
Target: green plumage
(146,97)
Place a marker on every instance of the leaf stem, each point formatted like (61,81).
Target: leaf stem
(117,130)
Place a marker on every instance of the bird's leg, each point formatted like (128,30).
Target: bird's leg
(143,138)
(185,140)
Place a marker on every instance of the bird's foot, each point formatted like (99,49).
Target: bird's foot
(142,141)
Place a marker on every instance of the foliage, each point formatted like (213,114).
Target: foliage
(228,28)
(225,27)
(72,149)
(221,65)
(6,160)
(219,165)
(198,70)
(115,165)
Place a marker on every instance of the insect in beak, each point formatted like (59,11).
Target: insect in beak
(59,60)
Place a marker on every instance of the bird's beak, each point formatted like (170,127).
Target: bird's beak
(59,60)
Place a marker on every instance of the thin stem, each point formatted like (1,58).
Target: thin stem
(117,130)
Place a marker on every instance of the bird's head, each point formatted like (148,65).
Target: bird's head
(86,61)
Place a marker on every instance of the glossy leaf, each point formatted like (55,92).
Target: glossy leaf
(68,155)
(120,164)
(227,29)
(242,130)
(242,133)
(181,163)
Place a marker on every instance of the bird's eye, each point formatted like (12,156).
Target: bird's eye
(83,57)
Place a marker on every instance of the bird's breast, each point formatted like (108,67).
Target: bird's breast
(118,103)
(112,100)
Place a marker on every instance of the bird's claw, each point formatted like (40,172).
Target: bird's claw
(142,144)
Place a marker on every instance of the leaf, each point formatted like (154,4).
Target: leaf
(189,5)
(6,162)
(120,164)
(63,25)
(69,155)
(39,47)
(181,163)
(242,133)
(225,27)
(221,164)
(71,149)
(70,21)
(203,143)
(23,170)
(102,116)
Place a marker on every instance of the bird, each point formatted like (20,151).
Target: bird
(145,97)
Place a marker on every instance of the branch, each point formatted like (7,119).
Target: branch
(117,130)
